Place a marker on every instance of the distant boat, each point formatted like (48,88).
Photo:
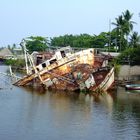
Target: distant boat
(132,87)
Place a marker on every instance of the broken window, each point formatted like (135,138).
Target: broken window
(39,60)
(53,61)
(44,65)
(63,54)
(37,69)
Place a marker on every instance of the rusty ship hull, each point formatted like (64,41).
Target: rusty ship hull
(70,71)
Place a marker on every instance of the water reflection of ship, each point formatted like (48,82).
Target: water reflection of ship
(105,99)
(65,99)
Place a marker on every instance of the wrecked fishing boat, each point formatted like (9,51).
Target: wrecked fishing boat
(69,70)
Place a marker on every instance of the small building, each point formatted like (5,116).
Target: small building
(5,53)
(18,53)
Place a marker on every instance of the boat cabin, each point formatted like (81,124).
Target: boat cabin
(59,54)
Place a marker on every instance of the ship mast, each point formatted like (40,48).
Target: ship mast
(25,55)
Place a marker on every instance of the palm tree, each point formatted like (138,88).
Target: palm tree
(128,24)
(134,40)
(119,23)
(119,30)
(124,27)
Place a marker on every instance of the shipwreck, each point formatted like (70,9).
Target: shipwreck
(67,69)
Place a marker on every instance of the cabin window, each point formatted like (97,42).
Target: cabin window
(63,54)
(44,65)
(39,60)
(91,51)
(33,71)
(37,69)
(53,61)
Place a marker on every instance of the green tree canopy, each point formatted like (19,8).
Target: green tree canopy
(131,56)
(80,41)
(36,43)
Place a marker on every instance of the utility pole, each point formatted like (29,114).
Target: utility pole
(109,35)
(120,39)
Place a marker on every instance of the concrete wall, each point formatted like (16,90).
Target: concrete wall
(129,72)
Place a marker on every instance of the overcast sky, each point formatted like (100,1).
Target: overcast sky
(48,18)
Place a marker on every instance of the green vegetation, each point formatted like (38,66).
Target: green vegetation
(134,40)
(81,41)
(130,56)
(121,39)
(129,40)
(123,29)
(37,43)
(15,62)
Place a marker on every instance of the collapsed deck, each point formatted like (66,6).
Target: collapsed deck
(61,63)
